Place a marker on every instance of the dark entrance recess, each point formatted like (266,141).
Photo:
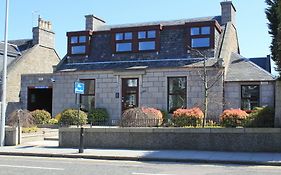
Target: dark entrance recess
(130,93)
(40,98)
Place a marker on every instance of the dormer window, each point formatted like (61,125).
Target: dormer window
(201,34)
(146,40)
(123,42)
(79,43)
(136,39)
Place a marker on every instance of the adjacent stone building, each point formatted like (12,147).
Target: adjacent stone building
(158,64)
(28,56)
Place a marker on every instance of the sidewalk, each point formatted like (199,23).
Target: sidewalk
(50,149)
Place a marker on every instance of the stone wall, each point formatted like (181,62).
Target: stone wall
(278,104)
(38,60)
(152,92)
(232,93)
(222,139)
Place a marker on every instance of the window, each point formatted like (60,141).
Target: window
(250,95)
(200,37)
(146,40)
(136,39)
(87,99)
(79,42)
(176,93)
(123,42)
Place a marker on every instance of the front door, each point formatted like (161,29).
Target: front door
(130,93)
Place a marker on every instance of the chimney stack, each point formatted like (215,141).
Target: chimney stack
(43,34)
(93,22)
(228,13)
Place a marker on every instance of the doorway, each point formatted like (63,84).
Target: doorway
(40,98)
(130,93)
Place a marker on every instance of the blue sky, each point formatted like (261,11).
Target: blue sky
(68,15)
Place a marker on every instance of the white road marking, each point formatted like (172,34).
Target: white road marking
(32,167)
(149,174)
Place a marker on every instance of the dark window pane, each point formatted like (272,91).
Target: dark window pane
(176,93)
(200,42)
(119,36)
(123,47)
(141,35)
(147,45)
(205,30)
(82,39)
(78,49)
(89,86)
(176,101)
(177,85)
(249,96)
(195,31)
(74,39)
(151,34)
(128,36)
(87,102)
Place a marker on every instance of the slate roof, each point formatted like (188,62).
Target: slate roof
(242,69)
(263,62)
(16,48)
(164,23)
(136,64)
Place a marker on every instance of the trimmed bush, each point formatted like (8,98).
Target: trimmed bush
(233,118)
(98,116)
(41,116)
(53,121)
(30,129)
(24,116)
(187,117)
(58,117)
(165,116)
(141,117)
(261,117)
(70,117)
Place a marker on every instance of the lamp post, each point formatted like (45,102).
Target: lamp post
(4,78)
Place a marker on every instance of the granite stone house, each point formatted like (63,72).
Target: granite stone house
(157,64)
(28,56)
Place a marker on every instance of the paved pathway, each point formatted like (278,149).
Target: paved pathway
(51,149)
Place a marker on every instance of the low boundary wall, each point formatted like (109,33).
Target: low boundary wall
(219,139)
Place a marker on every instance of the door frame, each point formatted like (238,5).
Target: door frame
(137,93)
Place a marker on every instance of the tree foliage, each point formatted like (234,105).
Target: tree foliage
(273,14)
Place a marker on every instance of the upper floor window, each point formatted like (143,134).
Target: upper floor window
(123,42)
(78,43)
(201,35)
(147,40)
(136,39)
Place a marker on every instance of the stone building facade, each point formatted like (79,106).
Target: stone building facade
(157,64)
(32,56)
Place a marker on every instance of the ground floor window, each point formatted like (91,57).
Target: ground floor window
(250,96)
(176,93)
(87,99)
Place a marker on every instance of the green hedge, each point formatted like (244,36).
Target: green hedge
(70,117)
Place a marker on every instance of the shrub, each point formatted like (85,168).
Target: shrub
(41,116)
(70,117)
(141,117)
(98,116)
(187,117)
(233,118)
(261,117)
(165,116)
(58,117)
(53,121)
(24,116)
(29,129)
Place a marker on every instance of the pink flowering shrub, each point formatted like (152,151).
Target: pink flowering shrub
(187,117)
(141,117)
(233,117)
